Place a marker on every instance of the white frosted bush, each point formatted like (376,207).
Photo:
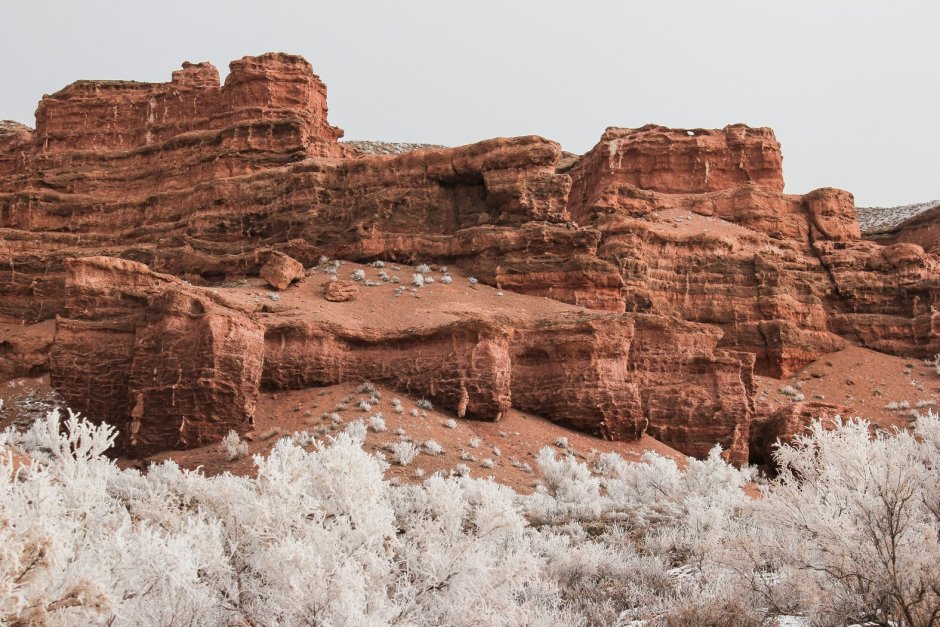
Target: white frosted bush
(358,275)
(475,442)
(422,268)
(425,404)
(433,448)
(356,430)
(848,533)
(848,503)
(397,406)
(404,452)
(561,442)
(233,447)
(377,423)
(447,279)
(450,423)
(417,280)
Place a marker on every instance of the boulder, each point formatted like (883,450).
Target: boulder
(340,291)
(281,270)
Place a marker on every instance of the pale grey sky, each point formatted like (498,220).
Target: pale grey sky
(851,87)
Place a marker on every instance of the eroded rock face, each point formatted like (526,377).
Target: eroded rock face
(169,365)
(207,182)
(173,365)
(24,349)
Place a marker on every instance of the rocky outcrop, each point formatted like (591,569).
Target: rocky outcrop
(170,365)
(24,349)
(676,161)
(654,228)
(175,365)
(911,224)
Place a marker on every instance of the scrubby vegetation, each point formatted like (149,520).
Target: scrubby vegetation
(848,532)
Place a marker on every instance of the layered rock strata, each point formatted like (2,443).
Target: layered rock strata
(204,182)
(174,365)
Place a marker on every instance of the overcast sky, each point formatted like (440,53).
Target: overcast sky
(851,87)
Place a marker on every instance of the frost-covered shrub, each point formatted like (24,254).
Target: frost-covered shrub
(450,423)
(561,442)
(356,430)
(417,279)
(847,533)
(377,423)
(853,523)
(497,451)
(397,406)
(788,390)
(364,405)
(475,442)
(233,447)
(422,268)
(404,452)
(433,448)
(487,463)
(447,279)
(425,404)
(472,280)
(358,275)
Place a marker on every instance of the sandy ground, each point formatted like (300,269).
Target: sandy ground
(883,389)
(510,444)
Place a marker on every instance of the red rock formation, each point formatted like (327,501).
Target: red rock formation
(661,159)
(24,349)
(921,228)
(169,365)
(175,365)
(204,182)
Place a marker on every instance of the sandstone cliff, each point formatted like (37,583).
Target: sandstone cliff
(674,233)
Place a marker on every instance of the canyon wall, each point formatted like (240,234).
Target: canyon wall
(204,182)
